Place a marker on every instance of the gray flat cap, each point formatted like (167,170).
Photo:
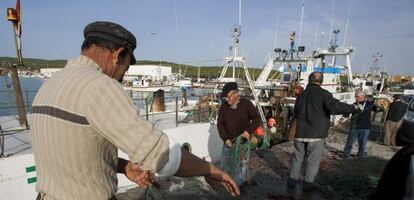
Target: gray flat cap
(113,32)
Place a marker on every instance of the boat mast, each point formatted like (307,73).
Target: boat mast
(14,16)
(236,39)
(332,20)
(276,32)
(301,23)
(177,32)
(316,35)
(347,23)
(198,75)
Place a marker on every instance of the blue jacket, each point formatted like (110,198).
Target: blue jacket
(361,119)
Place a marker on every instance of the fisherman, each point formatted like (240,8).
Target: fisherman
(394,120)
(81,116)
(360,124)
(236,117)
(312,112)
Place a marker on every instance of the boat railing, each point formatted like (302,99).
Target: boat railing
(175,112)
(176,108)
(173,104)
(8,101)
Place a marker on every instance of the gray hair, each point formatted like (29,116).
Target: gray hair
(316,77)
(360,93)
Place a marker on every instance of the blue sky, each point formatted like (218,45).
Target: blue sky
(198,31)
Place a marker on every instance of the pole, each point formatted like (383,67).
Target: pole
(301,23)
(198,74)
(146,109)
(1,143)
(16,83)
(332,20)
(27,97)
(316,35)
(276,31)
(176,111)
(347,23)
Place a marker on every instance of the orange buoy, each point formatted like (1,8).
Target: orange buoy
(259,131)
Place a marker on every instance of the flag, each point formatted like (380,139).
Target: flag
(19,18)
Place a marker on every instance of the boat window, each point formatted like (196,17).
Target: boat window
(412,106)
(406,99)
(286,77)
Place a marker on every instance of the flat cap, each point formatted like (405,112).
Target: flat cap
(112,32)
(228,87)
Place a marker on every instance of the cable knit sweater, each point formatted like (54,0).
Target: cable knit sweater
(79,119)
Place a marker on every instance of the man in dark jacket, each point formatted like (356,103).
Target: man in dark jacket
(394,120)
(312,111)
(360,125)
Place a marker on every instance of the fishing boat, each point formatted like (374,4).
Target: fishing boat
(147,85)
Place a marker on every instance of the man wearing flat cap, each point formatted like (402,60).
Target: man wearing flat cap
(236,117)
(81,116)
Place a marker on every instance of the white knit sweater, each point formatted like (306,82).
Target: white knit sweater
(79,119)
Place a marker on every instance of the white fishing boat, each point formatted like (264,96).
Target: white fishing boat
(18,169)
(152,88)
(147,85)
(294,69)
(184,83)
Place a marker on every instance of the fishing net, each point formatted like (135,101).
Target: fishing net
(235,160)
(200,114)
(153,193)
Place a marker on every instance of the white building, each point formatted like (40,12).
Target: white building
(49,72)
(154,72)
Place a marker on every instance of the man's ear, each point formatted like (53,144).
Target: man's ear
(116,54)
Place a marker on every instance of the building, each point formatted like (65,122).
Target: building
(48,72)
(153,72)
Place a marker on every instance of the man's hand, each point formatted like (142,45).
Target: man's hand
(355,107)
(246,135)
(220,179)
(141,177)
(228,143)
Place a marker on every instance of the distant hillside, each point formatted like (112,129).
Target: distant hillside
(187,70)
(205,71)
(34,63)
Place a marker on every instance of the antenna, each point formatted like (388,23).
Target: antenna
(347,22)
(236,39)
(239,12)
(333,42)
(177,32)
(301,23)
(276,32)
(316,35)
(332,20)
